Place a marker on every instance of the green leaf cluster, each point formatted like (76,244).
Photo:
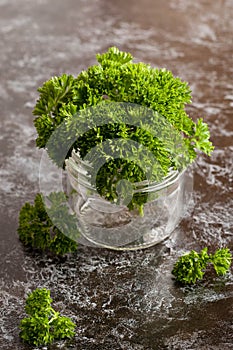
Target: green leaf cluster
(44,324)
(37,229)
(191,267)
(117,79)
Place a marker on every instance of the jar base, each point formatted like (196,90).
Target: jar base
(138,244)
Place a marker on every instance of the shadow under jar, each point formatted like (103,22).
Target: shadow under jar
(109,225)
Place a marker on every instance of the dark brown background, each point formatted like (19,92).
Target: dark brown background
(119,300)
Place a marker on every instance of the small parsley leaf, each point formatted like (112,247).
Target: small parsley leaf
(221,260)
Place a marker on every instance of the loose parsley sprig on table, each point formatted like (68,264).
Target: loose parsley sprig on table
(44,324)
(37,229)
(191,267)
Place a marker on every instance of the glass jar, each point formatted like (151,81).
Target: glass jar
(109,225)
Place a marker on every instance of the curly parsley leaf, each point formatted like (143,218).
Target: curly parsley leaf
(62,327)
(201,137)
(190,267)
(35,331)
(53,94)
(221,261)
(38,303)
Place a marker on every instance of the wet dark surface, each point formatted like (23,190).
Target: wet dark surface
(119,300)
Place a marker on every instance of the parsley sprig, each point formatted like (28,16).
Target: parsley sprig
(48,228)
(44,324)
(191,266)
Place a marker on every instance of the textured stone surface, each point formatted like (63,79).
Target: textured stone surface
(119,300)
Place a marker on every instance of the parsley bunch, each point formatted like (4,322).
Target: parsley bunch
(44,324)
(191,267)
(37,229)
(117,79)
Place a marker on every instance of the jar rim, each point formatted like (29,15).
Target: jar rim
(77,169)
